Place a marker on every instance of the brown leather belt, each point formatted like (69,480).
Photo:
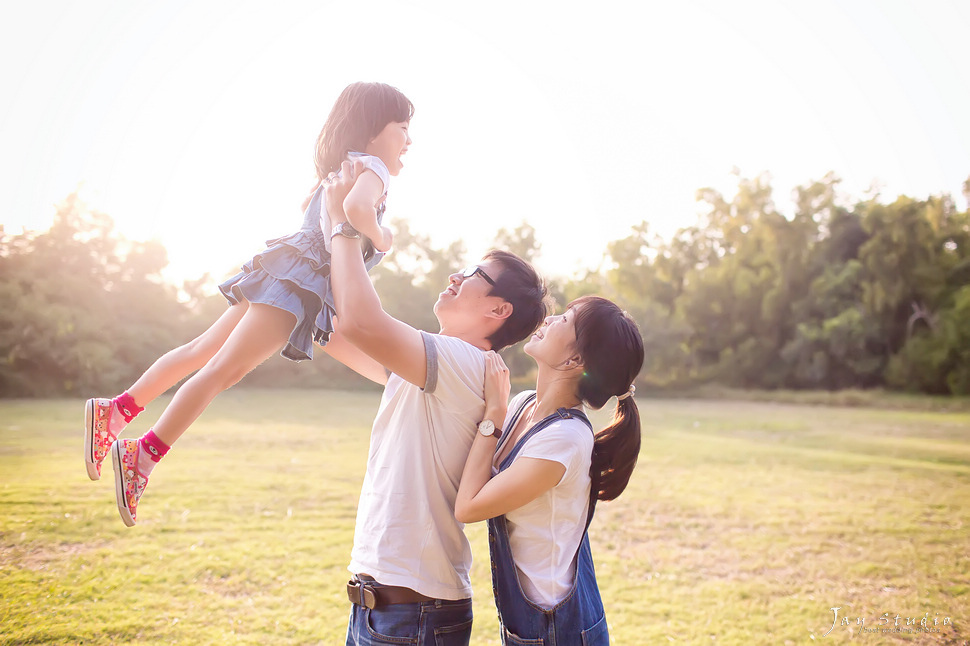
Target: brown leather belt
(365,591)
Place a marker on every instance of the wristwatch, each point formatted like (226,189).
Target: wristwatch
(488,429)
(344,229)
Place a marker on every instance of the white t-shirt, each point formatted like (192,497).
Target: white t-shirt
(371,163)
(545,533)
(406,532)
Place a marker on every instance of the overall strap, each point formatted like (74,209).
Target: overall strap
(507,431)
(592,481)
(311,216)
(562,413)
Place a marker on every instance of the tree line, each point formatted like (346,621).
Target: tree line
(838,294)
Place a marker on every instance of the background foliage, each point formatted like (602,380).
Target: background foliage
(835,295)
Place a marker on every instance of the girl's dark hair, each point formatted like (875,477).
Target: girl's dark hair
(611,349)
(360,113)
(520,285)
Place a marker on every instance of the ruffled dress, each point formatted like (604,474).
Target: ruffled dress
(293,274)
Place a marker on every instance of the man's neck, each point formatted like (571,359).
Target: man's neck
(480,342)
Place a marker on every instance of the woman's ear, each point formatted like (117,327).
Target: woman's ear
(574,361)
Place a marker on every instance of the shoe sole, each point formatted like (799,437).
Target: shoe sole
(89,462)
(120,485)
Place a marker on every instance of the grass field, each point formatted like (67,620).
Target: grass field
(745,523)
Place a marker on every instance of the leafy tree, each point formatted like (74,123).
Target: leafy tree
(736,304)
(87,310)
(831,345)
(643,277)
(836,295)
(521,241)
(936,336)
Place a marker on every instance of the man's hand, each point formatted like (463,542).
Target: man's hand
(336,187)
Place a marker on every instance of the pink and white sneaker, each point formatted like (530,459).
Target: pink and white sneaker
(103,422)
(129,481)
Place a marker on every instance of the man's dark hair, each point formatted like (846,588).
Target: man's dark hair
(521,286)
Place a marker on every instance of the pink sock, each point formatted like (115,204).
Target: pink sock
(127,406)
(152,450)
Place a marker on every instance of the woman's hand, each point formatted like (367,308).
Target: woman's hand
(480,496)
(497,388)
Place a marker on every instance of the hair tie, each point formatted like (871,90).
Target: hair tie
(629,393)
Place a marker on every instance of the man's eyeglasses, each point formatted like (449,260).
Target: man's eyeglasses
(468,272)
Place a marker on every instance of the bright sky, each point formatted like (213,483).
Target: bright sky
(194,121)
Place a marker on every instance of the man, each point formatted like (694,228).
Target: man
(410,558)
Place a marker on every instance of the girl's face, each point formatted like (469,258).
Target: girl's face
(390,144)
(554,342)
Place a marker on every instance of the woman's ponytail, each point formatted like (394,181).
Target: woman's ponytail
(615,451)
(611,350)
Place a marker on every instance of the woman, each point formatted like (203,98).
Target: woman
(537,479)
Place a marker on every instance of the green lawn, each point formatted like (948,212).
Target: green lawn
(745,523)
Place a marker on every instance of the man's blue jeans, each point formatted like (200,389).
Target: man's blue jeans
(429,623)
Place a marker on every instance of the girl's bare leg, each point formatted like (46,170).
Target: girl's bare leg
(261,332)
(179,363)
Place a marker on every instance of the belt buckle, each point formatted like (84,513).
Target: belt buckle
(361,593)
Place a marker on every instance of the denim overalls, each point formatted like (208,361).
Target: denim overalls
(577,619)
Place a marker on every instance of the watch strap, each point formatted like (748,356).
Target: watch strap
(344,229)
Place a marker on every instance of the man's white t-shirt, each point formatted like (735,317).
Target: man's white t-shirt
(406,533)
(544,534)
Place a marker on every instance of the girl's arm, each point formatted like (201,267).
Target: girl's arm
(360,207)
(479,495)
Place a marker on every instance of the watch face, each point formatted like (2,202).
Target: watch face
(344,229)
(487,428)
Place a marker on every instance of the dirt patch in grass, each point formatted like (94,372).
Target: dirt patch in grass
(36,557)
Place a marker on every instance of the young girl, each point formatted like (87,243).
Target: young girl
(281,298)
(537,480)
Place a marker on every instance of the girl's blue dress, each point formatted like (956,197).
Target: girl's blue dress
(293,274)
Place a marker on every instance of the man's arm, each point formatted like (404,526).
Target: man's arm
(351,356)
(363,322)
